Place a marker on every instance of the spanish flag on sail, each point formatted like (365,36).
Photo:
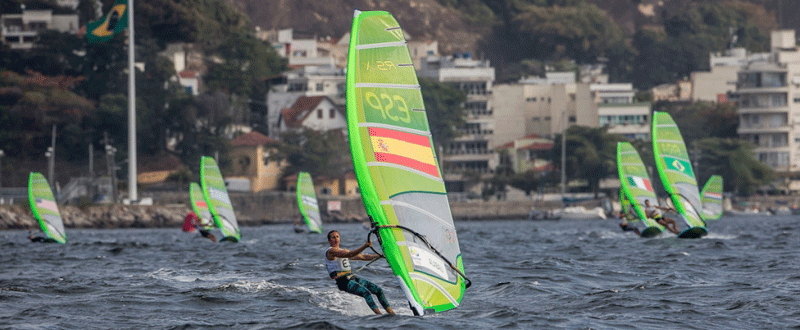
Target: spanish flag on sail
(113,23)
(404,149)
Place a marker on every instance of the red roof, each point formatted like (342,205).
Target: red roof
(188,74)
(538,146)
(164,162)
(252,139)
(301,109)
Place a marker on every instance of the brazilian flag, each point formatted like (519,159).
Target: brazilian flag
(679,165)
(113,23)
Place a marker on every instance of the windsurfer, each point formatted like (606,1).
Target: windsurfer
(338,265)
(653,211)
(201,226)
(623,223)
(35,239)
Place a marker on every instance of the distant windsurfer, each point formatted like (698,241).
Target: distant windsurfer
(338,265)
(654,212)
(201,226)
(623,223)
(39,239)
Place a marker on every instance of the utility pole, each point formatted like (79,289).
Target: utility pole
(563,153)
(112,167)
(132,194)
(2,153)
(51,154)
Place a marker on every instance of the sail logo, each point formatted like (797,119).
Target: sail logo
(641,183)
(404,149)
(679,165)
(46,205)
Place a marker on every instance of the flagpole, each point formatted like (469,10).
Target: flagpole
(132,196)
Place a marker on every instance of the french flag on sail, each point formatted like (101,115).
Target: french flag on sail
(640,183)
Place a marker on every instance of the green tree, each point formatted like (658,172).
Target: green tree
(732,159)
(318,153)
(591,154)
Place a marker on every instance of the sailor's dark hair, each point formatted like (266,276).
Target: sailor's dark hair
(331,232)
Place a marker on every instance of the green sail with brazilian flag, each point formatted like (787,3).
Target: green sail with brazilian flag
(396,166)
(45,209)
(636,187)
(114,22)
(675,170)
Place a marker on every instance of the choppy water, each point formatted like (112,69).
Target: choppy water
(561,274)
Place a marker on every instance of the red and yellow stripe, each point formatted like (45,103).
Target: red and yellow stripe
(404,149)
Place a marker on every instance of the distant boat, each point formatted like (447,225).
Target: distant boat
(45,209)
(711,197)
(636,187)
(219,203)
(307,203)
(676,173)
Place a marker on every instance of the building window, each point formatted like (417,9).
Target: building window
(319,113)
(319,87)
(325,191)
(572,119)
(332,113)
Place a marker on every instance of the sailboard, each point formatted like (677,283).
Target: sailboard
(677,175)
(636,187)
(307,202)
(396,166)
(45,209)
(199,204)
(219,203)
(711,197)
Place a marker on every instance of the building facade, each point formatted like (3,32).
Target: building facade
(473,150)
(308,81)
(20,31)
(617,110)
(768,90)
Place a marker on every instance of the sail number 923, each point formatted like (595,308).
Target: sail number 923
(380,65)
(393,107)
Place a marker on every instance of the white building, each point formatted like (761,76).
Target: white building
(306,81)
(542,106)
(615,108)
(20,31)
(300,52)
(768,91)
(318,113)
(473,151)
(720,82)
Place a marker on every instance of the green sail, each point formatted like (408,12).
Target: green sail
(636,186)
(711,196)
(44,208)
(199,204)
(396,166)
(307,202)
(676,173)
(219,203)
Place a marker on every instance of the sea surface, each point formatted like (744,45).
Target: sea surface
(568,274)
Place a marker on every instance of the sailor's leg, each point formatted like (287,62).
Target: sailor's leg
(357,289)
(376,290)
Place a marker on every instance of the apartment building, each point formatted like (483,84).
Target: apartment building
(768,90)
(473,151)
(617,109)
(21,30)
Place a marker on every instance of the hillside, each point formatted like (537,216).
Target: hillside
(422,19)
(461,27)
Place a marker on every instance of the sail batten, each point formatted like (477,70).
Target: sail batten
(397,167)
